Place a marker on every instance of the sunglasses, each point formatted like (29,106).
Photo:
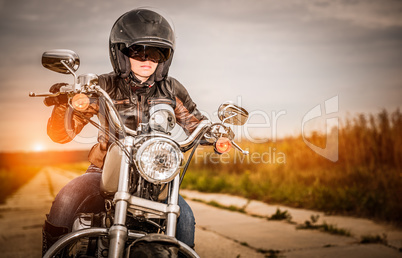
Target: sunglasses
(146,53)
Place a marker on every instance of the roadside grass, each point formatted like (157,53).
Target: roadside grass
(271,253)
(358,192)
(374,239)
(281,215)
(324,227)
(366,181)
(12,178)
(268,253)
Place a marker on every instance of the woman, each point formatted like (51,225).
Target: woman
(141,47)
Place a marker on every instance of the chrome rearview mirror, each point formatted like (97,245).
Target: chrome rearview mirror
(61,61)
(232,114)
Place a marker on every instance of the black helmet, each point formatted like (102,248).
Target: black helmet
(140,27)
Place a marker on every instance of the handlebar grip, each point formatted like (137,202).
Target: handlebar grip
(51,101)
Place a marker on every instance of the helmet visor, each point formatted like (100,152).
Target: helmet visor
(147,53)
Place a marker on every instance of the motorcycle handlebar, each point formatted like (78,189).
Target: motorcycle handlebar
(33,94)
(186,144)
(118,123)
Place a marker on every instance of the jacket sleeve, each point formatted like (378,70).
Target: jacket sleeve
(63,117)
(186,112)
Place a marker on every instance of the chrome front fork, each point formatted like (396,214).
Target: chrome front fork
(173,200)
(118,232)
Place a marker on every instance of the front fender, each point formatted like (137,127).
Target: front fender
(72,237)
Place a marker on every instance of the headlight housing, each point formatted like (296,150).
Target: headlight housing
(159,160)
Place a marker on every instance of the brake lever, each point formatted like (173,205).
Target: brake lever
(33,94)
(63,90)
(239,149)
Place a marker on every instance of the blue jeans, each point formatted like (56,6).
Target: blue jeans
(82,194)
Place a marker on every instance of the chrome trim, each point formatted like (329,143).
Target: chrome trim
(244,152)
(232,114)
(200,128)
(188,250)
(72,237)
(132,234)
(140,152)
(153,207)
(173,200)
(183,144)
(88,79)
(61,61)
(76,85)
(114,117)
(96,232)
(118,232)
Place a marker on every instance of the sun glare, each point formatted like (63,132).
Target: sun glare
(38,147)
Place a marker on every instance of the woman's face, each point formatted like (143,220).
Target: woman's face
(143,69)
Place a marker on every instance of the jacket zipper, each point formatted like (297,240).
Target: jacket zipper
(138,113)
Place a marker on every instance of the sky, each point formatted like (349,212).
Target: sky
(277,59)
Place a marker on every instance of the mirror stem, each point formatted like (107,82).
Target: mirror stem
(76,87)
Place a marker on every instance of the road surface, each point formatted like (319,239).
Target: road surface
(219,232)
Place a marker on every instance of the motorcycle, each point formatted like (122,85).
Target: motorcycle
(141,176)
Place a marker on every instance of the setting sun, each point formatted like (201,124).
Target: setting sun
(38,147)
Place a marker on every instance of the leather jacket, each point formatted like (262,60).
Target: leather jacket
(133,100)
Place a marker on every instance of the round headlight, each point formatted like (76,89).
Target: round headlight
(159,160)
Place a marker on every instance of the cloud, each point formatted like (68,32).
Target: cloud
(371,14)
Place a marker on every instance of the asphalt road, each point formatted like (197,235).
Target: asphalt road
(22,216)
(219,232)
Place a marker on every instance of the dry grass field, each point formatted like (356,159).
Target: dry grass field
(365,181)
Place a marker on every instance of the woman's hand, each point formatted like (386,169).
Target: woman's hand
(60,99)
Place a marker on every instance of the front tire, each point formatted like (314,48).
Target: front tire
(151,250)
